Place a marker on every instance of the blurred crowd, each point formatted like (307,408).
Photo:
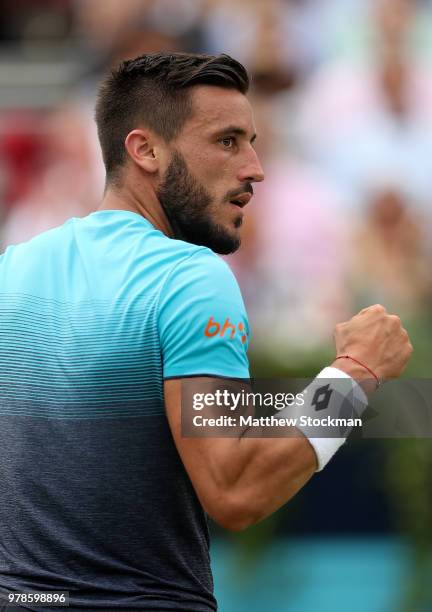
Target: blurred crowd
(342,91)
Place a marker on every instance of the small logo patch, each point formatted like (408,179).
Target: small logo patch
(213,328)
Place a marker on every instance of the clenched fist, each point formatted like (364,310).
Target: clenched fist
(375,338)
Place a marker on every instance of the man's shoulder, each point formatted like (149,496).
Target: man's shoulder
(199,260)
(54,236)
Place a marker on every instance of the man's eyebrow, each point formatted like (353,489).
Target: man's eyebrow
(232,129)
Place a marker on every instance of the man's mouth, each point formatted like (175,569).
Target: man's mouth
(241,200)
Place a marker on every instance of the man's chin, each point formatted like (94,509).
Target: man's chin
(223,241)
(228,249)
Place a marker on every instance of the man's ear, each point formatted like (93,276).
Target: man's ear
(142,149)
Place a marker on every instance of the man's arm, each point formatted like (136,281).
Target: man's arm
(240,481)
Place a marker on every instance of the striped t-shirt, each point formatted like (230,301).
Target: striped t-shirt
(94,498)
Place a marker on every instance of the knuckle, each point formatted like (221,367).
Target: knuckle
(378,308)
(395,320)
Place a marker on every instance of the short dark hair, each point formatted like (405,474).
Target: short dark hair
(154,90)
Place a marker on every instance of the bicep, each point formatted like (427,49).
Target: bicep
(210,455)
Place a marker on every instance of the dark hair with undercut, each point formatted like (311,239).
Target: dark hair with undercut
(153,90)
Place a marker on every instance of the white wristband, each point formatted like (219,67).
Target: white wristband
(353,394)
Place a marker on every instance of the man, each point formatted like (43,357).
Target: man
(102,319)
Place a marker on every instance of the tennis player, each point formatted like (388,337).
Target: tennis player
(102,319)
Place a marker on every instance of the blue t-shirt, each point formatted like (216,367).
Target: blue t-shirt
(94,498)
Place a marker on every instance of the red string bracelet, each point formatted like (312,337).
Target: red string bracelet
(362,365)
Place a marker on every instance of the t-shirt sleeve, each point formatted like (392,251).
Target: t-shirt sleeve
(203,326)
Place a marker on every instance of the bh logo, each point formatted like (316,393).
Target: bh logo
(213,328)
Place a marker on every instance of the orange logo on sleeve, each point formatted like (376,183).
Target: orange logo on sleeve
(213,328)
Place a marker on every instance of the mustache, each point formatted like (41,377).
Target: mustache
(245,188)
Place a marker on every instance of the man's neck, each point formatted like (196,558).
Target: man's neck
(147,205)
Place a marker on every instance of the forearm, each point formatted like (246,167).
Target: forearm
(241,480)
(243,475)
(262,472)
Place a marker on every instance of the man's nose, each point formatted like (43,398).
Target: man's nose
(251,171)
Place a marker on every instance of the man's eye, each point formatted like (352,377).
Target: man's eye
(228,142)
